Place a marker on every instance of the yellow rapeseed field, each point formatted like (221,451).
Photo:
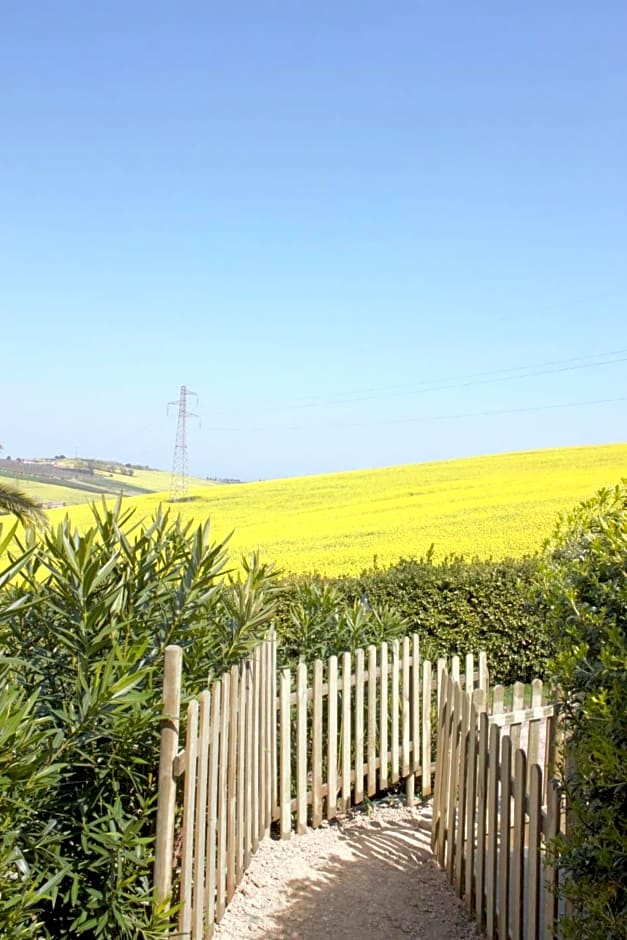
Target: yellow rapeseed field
(339,523)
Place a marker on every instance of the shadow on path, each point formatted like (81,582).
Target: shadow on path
(384,883)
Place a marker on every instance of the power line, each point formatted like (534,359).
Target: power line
(513,411)
(421,418)
(461,415)
(498,375)
(488,381)
(530,370)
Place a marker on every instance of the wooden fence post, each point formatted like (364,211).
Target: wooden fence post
(166,805)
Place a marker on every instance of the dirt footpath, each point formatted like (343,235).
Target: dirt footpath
(370,874)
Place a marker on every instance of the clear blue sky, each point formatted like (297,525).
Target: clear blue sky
(364,233)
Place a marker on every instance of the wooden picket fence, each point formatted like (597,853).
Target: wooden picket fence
(496,805)
(290,749)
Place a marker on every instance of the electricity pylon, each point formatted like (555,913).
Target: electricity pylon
(178,480)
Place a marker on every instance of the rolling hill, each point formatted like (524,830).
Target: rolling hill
(68,482)
(492,506)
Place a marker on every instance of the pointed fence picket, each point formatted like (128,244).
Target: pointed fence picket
(292,749)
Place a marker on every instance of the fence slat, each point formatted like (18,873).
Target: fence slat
(471,776)
(426,728)
(480,861)
(332,749)
(346,731)
(518,850)
(316,746)
(222,798)
(415,705)
(550,757)
(268,757)
(460,825)
(359,726)
(533,852)
(443,777)
(212,811)
(442,674)
(453,782)
(492,810)
(273,727)
(187,846)
(395,711)
(414,691)
(200,823)
(250,744)
(455,666)
(533,747)
(285,789)
(484,676)
(441,756)
(383,719)
(518,703)
(469,673)
(504,858)
(231,834)
(301,748)
(242,774)
(257,677)
(372,720)
(498,700)
(263,742)
(405,708)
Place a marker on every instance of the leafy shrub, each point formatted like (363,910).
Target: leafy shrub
(316,620)
(27,847)
(584,584)
(86,619)
(456,606)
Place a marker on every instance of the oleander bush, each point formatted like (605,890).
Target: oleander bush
(584,585)
(84,621)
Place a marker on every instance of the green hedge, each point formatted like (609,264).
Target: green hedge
(456,606)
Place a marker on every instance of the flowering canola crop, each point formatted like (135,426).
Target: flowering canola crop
(495,506)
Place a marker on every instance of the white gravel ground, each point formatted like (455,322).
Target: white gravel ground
(371,874)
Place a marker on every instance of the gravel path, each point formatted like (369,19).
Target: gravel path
(370,874)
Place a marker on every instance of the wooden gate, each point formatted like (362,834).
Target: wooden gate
(496,805)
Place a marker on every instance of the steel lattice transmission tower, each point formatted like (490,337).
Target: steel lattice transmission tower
(178,481)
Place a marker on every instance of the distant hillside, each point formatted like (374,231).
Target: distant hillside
(495,506)
(66,481)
